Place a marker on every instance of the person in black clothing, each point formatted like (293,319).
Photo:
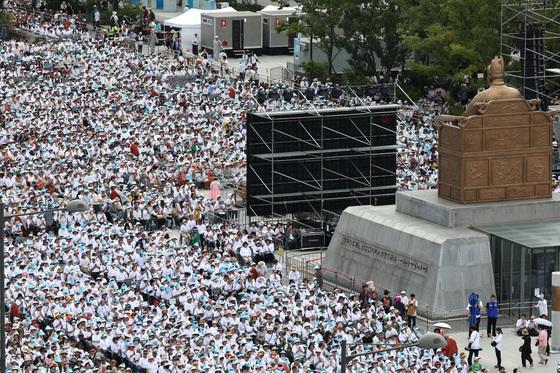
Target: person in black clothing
(364,297)
(309,93)
(288,94)
(336,92)
(261,95)
(387,301)
(525,349)
(399,305)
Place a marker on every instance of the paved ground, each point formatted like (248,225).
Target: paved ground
(511,357)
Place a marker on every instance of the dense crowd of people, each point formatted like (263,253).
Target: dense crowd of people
(417,138)
(153,278)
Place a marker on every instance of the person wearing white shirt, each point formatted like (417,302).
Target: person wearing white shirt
(542,306)
(245,252)
(521,324)
(194,42)
(474,344)
(294,276)
(404,299)
(497,343)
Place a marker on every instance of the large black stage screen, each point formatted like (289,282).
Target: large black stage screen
(320,161)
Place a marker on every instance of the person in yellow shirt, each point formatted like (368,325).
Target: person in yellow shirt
(411,311)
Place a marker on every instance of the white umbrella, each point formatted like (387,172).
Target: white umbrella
(544,322)
(442,325)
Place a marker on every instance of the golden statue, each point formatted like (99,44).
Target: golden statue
(498,89)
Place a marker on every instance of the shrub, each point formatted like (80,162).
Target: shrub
(354,77)
(5,18)
(315,69)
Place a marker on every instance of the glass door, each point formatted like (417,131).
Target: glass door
(543,263)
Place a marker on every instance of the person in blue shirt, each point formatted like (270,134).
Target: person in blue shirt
(474,307)
(492,311)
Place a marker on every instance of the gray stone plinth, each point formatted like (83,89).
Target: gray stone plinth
(442,266)
(426,205)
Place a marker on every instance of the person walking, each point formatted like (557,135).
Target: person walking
(474,307)
(525,349)
(542,343)
(474,343)
(497,344)
(492,312)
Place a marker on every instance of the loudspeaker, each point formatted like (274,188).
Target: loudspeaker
(312,239)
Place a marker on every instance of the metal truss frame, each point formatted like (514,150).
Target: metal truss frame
(517,16)
(313,186)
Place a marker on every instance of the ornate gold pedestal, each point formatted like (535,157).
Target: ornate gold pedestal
(503,153)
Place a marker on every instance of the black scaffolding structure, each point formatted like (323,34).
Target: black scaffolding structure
(530,39)
(320,161)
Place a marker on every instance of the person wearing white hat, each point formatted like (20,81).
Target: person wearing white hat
(542,306)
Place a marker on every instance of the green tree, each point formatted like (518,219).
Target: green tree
(370,33)
(320,21)
(451,38)
(5,18)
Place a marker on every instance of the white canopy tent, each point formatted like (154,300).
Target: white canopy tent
(270,8)
(189,23)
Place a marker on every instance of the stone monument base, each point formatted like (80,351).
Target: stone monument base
(425,245)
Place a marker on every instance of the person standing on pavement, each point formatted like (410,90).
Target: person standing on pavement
(319,276)
(497,344)
(492,312)
(96,16)
(217,48)
(525,349)
(474,343)
(404,299)
(152,40)
(473,307)
(411,308)
(194,42)
(542,306)
(542,343)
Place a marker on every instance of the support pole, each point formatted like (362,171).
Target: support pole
(2,293)
(555,312)
(343,357)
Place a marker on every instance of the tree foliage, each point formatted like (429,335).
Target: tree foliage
(321,19)
(451,38)
(5,18)
(371,34)
(445,39)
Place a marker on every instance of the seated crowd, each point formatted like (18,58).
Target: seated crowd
(152,278)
